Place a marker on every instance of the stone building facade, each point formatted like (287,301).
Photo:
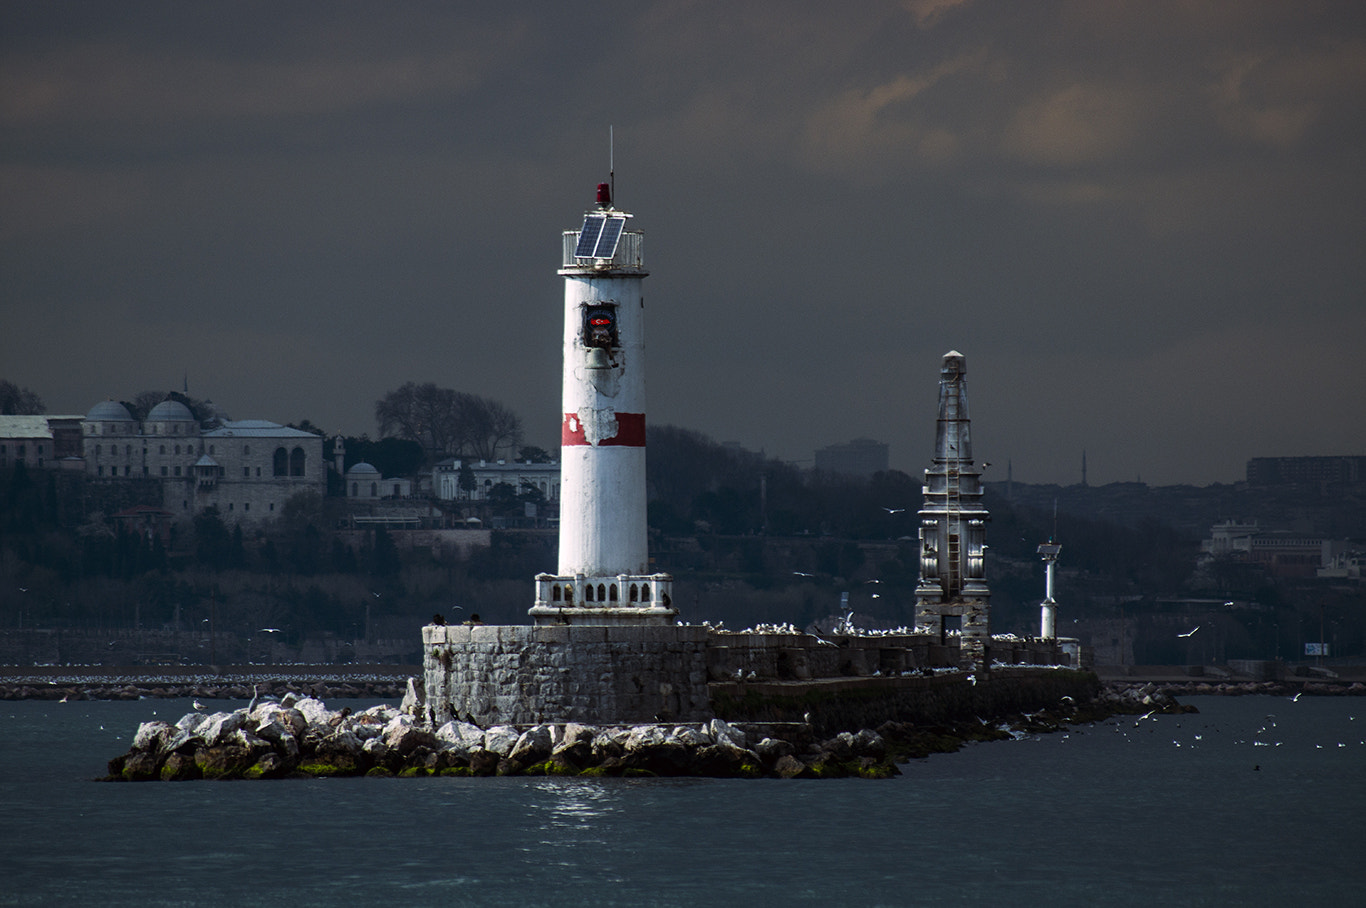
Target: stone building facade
(246,468)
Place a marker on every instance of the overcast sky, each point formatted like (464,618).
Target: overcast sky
(1142,222)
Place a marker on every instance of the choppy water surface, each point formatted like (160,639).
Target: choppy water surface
(1254,801)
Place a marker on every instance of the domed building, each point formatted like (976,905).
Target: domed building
(245,468)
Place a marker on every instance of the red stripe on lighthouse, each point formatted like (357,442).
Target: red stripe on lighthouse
(630,431)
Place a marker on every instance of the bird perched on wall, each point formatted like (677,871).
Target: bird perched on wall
(438,620)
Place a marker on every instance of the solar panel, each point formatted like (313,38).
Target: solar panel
(611,233)
(588,236)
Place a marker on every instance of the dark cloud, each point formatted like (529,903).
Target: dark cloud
(1141,221)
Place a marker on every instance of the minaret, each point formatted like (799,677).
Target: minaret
(603,575)
(953,527)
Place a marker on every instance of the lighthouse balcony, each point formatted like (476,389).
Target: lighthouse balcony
(616,599)
(629,255)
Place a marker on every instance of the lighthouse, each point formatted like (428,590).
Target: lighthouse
(1048,609)
(603,576)
(953,527)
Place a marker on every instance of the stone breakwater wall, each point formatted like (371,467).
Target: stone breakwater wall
(76,682)
(522,675)
(1244,688)
(803,657)
(849,704)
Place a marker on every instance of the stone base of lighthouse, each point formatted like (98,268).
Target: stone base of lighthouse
(619,600)
(974,615)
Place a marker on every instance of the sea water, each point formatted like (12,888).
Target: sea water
(1252,801)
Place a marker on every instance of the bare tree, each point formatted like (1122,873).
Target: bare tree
(17,401)
(489,426)
(448,422)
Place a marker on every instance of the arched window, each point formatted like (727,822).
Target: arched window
(645,592)
(296,462)
(635,593)
(554,594)
(281,462)
(612,593)
(588,593)
(602,593)
(568,594)
(374,490)
(355,489)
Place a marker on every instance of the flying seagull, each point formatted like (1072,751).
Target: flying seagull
(893,510)
(803,574)
(1190,632)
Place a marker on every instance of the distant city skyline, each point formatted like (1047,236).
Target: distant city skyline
(1141,222)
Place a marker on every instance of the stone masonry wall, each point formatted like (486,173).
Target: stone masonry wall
(521,675)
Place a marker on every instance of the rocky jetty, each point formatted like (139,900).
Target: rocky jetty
(299,736)
(1238,688)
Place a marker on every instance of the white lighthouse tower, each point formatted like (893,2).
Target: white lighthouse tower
(1048,609)
(604,573)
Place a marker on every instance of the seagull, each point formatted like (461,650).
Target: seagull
(255,695)
(199,707)
(1189,632)
(893,510)
(872,581)
(270,630)
(376,595)
(803,574)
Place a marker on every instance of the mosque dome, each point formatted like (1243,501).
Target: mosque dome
(362,468)
(170,410)
(108,411)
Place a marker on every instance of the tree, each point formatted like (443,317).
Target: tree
(533,454)
(212,539)
(422,413)
(17,401)
(391,456)
(486,426)
(203,411)
(448,422)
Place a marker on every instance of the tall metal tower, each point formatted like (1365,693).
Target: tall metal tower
(1048,609)
(603,575)
(953,528)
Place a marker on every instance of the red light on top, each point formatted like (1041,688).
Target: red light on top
(604,195)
